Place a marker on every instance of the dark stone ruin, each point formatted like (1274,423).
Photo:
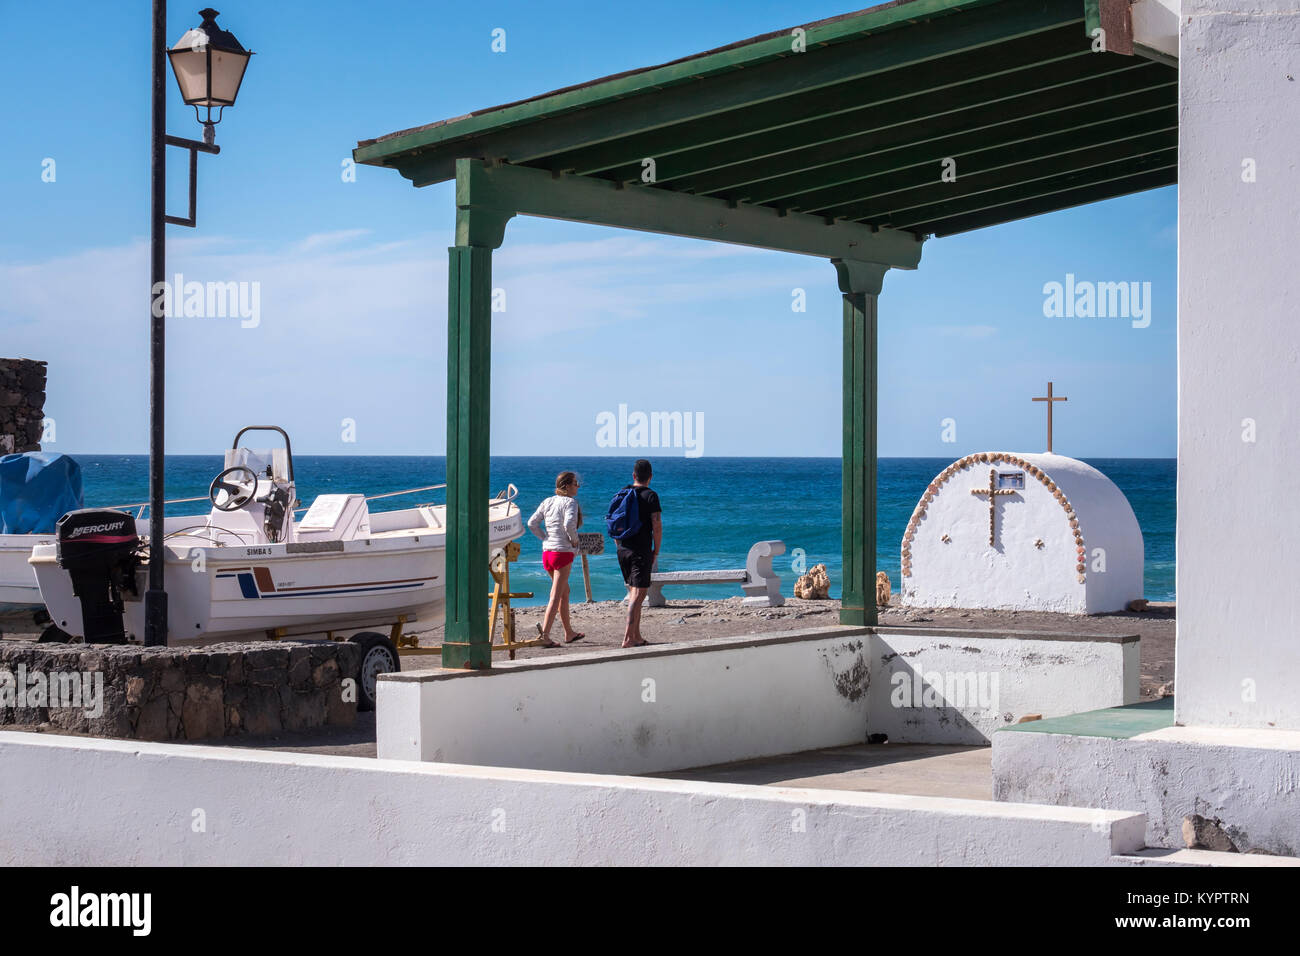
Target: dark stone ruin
(22,404)
(170,693)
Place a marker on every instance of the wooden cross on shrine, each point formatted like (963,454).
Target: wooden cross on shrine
(993,491)
(1049,398)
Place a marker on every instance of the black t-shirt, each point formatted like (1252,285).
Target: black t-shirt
(647,504)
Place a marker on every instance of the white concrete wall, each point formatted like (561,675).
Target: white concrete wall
(1249,779)
(85,802)
(660,708)
(1238,660)
(1012,677)
(738,698)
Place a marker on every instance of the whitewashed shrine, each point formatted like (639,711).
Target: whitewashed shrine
(1032,532)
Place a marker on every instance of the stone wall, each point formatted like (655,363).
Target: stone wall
(170,693)
(22,404)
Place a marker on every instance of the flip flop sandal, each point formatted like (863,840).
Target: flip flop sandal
(547,640)
(576,637)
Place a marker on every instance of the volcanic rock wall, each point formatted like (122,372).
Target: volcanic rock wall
(22,404)
(178,693)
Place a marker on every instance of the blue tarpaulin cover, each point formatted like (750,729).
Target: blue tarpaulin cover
(37,488)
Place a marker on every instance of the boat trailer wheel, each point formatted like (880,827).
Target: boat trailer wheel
(378,656)
(237,492)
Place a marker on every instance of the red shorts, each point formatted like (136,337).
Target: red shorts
(554,560)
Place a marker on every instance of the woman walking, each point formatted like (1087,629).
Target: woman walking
(559,516)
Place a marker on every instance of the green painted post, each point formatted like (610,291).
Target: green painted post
(466,641)
(860,282)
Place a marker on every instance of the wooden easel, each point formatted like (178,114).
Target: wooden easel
(499,565)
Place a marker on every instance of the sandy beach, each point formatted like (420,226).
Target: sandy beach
(693,620)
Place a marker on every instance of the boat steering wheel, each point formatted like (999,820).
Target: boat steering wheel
(233,494)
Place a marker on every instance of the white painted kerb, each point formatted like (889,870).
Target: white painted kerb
(79,801)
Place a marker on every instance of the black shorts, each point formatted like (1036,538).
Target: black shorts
(636,567)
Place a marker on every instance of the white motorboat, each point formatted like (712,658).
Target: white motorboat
(20,594)
(248,569)
(18,589)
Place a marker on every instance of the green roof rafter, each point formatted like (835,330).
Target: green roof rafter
(855,128)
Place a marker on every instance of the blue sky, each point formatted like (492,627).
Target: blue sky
(352,275)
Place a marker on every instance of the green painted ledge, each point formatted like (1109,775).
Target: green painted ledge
(1117,723)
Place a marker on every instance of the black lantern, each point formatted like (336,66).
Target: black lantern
(209,64)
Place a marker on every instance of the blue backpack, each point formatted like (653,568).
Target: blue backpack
(624,517)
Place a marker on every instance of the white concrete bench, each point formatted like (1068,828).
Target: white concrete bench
(762,586)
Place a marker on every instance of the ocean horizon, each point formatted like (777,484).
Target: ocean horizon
(714,507)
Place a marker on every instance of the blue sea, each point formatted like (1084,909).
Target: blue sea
(714,508)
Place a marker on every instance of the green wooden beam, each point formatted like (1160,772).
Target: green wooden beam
(685,72)
(1054,202)
(981,149)
(921,217)
(803,191)
(1082,84)
(860,285)
(1049,114)
(973,181)
(1091,16)
(844,100)
(867,116)
(428,156)
(466,640)
(1079,195)
(495,193)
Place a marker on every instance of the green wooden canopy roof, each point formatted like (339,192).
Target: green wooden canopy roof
(856,126)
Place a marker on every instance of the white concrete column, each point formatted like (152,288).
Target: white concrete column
(1238,660)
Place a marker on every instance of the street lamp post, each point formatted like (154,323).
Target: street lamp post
(209,65)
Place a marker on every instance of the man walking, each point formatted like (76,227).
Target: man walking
(638,552)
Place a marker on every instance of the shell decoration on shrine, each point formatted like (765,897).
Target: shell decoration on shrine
(993,458)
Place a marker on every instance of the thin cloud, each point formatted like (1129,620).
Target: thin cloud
(351,326)
(967,331)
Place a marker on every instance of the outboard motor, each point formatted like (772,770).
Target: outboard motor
(100,551)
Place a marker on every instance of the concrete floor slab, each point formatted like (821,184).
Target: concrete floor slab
(918,769)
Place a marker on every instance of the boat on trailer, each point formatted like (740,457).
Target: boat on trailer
(250,570)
